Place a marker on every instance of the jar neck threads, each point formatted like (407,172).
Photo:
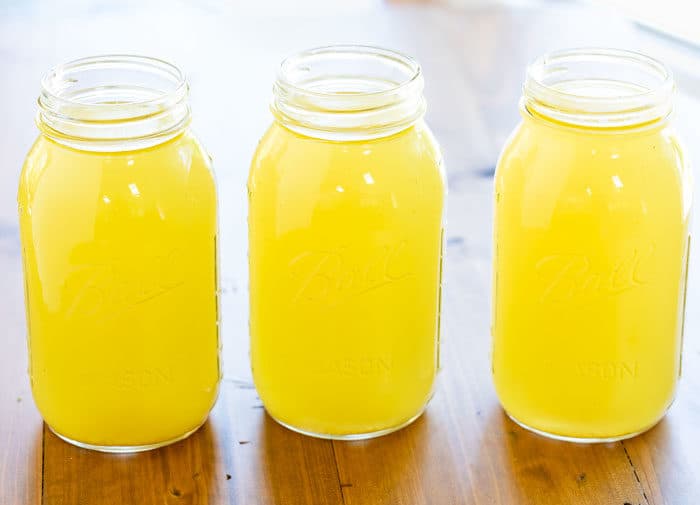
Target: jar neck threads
(348,93)
(113,103)
(598,88)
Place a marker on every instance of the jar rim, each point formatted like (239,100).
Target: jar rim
(90,62)
(356,49)
(544,90)
(348,92)
(106,101)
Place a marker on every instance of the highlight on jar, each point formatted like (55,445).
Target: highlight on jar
(592,202)
(117,208)
(346,199)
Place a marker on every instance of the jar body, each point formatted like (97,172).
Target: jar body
(591,249)
(345,267)
(119,254)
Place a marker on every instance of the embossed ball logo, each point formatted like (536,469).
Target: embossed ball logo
(336,275)
(579,276)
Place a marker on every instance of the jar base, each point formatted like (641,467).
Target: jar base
(352,436)
(582,440)
(123,449)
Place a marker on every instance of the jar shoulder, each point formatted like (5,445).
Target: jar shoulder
(283,151)
(294,166)
(178,164)
(638,176)
(543,153)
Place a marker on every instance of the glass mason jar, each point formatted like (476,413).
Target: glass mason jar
(346,198)
(593,198)
(117,208)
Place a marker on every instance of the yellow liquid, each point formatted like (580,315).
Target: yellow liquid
(591,238)
(345,252)
(120,266)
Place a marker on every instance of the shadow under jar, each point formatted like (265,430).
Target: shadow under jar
(346,195)
(117,209)
(593,197)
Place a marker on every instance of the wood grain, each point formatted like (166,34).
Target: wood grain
(189,472)
(463,451)
(273,465)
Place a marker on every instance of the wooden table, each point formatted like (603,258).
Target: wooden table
(463,450)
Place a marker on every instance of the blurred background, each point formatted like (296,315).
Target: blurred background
(474,49)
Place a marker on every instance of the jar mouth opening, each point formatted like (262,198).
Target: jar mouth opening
(598,87)
(348,92)
(111,82)
(112,98)
(353,71)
